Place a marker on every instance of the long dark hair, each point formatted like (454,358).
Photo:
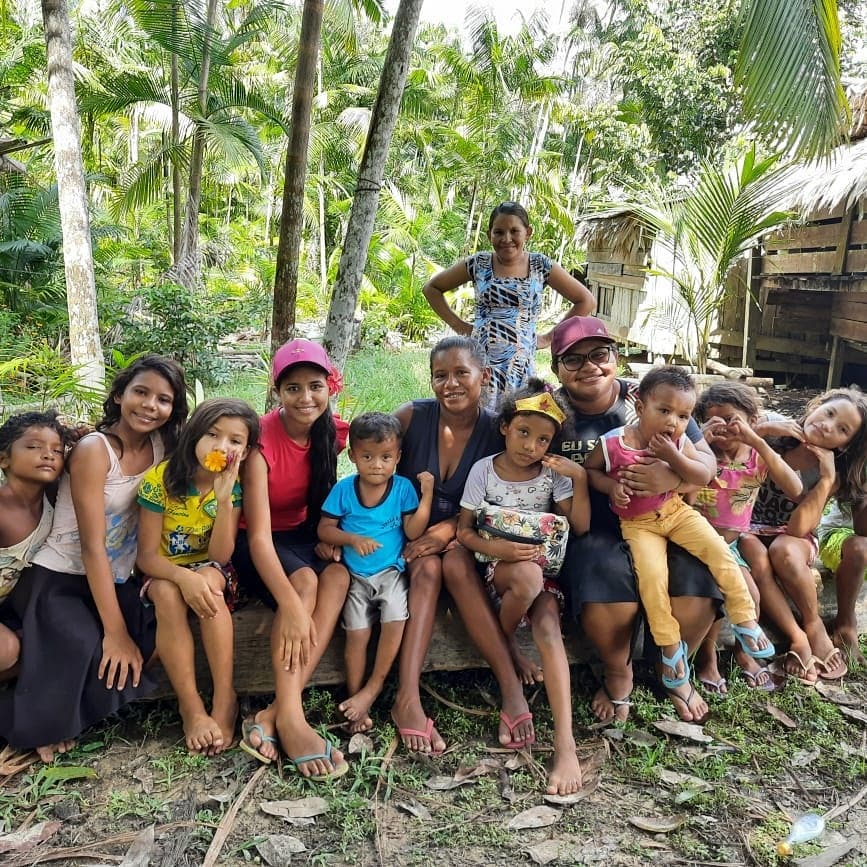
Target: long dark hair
(172,372)
(182,465)
(323,452)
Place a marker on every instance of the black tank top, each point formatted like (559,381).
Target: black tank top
(420,451)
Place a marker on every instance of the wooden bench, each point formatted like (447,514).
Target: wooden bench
(450,647)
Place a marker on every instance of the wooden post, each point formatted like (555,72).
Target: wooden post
(843,243)
(752,310)
(835,365)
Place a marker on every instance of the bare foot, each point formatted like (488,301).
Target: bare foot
(356,709)
(565,776)
(528,672)
(47,753)
(611,701)
(202,732)
(690,706)
(411,716)
(266,721)
(225,713)
(304,741)
(846,638)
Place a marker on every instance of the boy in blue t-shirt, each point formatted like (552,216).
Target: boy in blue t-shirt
(371,515)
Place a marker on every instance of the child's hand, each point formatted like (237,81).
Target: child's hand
(743,432)
(364,545)
(198,594)
(517,552)
(224,482)
(327,552)
(426,482)
(781,428)
(715,430)
(827,467)
(662,447)
(121,660)
(564,466)
(621,496)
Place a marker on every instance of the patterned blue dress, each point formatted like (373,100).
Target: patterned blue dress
(507,309)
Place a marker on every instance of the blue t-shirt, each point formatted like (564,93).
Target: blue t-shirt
(382,522)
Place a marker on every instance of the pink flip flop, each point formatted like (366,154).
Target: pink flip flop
(511,725)
(418,733)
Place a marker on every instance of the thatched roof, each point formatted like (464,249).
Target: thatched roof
(617,229)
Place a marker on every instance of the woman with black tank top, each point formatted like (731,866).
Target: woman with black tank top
(446,435)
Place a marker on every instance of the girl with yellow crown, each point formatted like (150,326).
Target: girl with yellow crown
(527,480)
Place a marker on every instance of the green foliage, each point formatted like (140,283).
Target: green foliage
(186,325)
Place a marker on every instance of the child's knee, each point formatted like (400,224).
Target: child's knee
(165,595)
(305,582)
(10,648)
(545,620)
(215,579)
(526,582)
(854,551)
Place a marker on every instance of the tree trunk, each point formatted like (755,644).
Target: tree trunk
(84,343)
(292,216)
(341,313)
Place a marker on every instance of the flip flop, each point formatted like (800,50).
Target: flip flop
(511,725)
(616,702)
(824,668)
(806,668)
(751,677)
(247,728)
(686,701)
(742,633)
(671,662)
(339,770)
(714,686)
(418,733)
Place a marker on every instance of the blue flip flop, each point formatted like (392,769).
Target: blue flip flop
(671,662)
(742,633)
(339,770)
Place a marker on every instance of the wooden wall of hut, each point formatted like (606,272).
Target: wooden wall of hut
(810,282)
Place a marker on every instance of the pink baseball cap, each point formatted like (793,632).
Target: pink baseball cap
(576,329)
(299,351)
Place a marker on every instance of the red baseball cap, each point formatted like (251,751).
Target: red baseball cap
(299,351)
(576,329)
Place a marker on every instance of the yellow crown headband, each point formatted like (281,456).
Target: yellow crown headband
(542,403)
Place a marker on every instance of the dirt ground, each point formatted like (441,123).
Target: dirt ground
(723,794)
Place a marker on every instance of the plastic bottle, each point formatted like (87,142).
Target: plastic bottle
(804,828)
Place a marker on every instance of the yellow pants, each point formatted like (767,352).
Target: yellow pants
(648,536)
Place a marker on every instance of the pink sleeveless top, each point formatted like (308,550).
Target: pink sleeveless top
(727,502)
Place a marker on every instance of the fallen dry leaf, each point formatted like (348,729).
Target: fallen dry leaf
(673,778)
(658,825)
(829,856)
(780,716)
(535,817)
(613,734)
(518,760)
(585,791)
(414,809)
(304,808)
(834,693)
(853,713)
(360,743)
(142,848)
(21,841)
(146,777)
(802,758)
(442,783)
(683,730)
(546,851)
(482,769)
(277,849)
(642,738)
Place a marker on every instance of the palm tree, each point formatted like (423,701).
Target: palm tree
(704,232)
(788,70)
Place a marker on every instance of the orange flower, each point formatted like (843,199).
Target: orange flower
(215,461)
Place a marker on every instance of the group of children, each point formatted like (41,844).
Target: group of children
(177,520)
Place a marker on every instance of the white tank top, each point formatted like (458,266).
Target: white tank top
(62,549)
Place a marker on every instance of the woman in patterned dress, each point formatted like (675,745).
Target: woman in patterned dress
(508,283)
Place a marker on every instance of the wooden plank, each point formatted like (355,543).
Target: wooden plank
(798,296)
(835,365)
(850,330)
(858,235)
(856,262)
(799,237)
(840,264)
(798,263)
(635,270)
(845,309)
(450,648)
(604,268)
(784,365)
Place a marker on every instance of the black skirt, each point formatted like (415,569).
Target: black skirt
(58,693)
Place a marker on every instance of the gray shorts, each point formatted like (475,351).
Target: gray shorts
(387,591)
